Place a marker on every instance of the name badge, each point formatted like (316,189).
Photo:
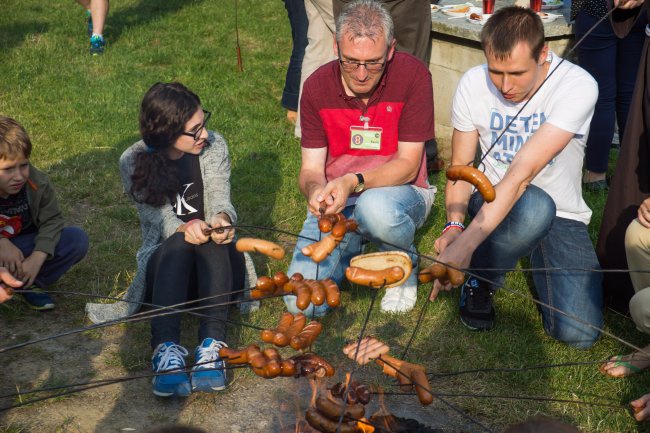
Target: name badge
(365,138)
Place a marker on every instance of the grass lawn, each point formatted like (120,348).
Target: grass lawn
(81,113)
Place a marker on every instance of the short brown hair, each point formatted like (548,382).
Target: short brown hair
(509,26)
(14,140)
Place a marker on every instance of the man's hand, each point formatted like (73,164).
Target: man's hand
(336,193)
(641,408)
(194,232)
(221,237)
(450,251)
(11,257)
(628,4)
(7,282)
(31,267)
(644,213)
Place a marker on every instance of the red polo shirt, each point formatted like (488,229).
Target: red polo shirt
(401,105)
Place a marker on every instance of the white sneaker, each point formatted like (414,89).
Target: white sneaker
(399,299)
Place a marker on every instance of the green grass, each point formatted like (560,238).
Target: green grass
(81,113)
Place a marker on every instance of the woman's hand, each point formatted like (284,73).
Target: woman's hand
(194,232)
(224,236)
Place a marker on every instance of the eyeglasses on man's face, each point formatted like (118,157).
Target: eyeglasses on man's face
(351,66)
(196,134)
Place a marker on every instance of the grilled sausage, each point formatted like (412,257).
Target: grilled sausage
(475,177)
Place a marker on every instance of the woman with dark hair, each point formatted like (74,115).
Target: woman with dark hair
(179,178)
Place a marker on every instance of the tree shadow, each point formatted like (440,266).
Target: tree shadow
(15,33)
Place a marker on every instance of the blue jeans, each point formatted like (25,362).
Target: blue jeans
(613,63)
(532,229)
(72,247)
(299,24)
(388,215)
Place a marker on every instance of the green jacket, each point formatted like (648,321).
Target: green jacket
(45,211)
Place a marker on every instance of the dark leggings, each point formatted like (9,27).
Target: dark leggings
(179,271)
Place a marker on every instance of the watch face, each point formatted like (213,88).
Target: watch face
(360,187)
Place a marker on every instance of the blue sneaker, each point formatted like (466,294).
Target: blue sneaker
(209,371)
(38,300)
(97,44)
(168,357)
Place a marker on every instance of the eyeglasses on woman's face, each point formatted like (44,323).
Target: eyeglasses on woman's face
(196,132)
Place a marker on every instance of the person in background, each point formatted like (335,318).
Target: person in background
(613,63)
(96,11)
(630,184)
(299,24)
(637,251)
(320,38)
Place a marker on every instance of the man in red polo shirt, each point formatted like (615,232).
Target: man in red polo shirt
(364,120)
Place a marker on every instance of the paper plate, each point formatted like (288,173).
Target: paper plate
(383,260)
(456,10)
(547,17)
(475,16)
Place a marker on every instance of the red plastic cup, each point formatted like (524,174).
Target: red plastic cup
(488,6)
(536,5)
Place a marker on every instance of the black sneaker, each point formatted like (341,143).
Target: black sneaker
(476,309)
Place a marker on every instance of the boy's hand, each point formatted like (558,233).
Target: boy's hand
(32,266)
(11,257)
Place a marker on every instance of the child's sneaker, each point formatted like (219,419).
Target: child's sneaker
(168,357)
(38,300)
(97,44)
(209,373)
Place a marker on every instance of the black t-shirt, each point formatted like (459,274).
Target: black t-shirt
(189,199)
(15,216)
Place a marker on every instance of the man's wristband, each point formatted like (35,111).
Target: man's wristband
(453,225)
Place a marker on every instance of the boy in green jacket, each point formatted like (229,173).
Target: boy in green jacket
(35,246)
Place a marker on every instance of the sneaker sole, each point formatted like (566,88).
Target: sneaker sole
(182,389)
(207,388)
(45,307)
(475,328)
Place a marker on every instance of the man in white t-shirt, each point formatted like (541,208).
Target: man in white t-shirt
(535,163)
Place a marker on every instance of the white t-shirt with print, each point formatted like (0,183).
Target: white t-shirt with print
(566,100)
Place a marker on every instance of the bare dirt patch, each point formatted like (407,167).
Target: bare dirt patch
(250,404)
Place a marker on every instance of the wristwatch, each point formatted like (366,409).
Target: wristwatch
(361,185)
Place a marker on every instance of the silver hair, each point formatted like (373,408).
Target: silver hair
(365,19)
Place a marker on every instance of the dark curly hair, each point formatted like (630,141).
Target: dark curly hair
(166,108)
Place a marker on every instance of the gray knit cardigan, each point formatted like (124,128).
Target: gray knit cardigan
(159,223)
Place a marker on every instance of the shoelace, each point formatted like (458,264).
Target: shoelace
(207,356)
(480,298)
(171,358)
